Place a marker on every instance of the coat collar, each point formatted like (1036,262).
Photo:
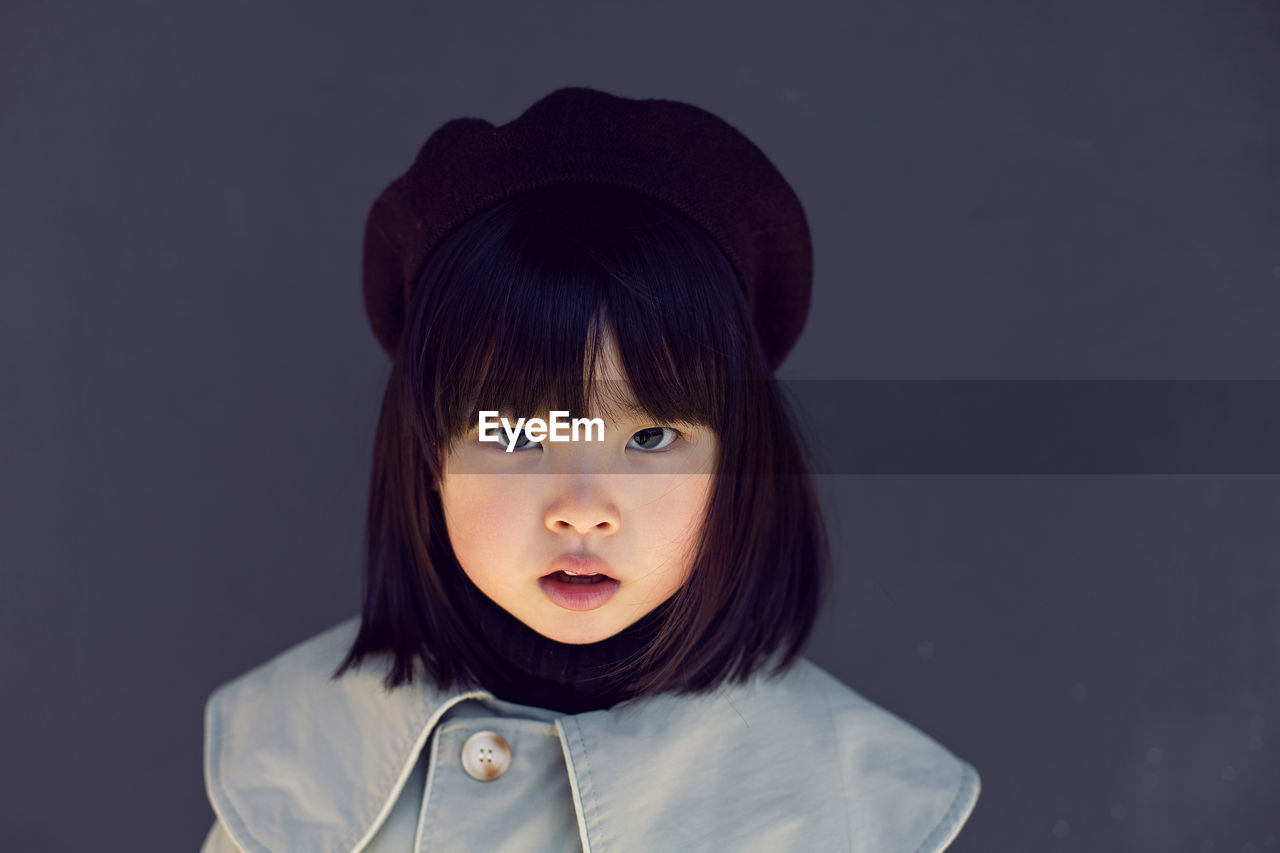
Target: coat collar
(278,781)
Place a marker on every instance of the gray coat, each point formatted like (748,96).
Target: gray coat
(295,761)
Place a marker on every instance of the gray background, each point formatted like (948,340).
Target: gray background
(1039,190)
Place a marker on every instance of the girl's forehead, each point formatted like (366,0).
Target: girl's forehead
(605,388)
(611,392)
(614,400)
(608,366)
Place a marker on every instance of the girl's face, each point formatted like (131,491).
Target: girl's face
(629,508)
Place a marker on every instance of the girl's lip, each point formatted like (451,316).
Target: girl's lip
(578,564)
(578,596)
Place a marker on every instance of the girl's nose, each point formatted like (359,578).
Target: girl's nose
(583,510)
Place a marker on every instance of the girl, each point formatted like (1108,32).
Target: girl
(580,640)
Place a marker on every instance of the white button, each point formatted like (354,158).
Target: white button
(486,756)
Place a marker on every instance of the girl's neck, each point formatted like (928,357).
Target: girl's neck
(527,668)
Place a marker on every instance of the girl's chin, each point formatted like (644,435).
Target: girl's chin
(577,637)
(577,629)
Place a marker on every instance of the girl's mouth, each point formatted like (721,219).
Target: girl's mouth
(573,577)
(578,591)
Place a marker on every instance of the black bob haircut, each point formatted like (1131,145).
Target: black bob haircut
(509,309)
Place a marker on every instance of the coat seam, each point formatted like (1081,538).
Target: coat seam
(844,780)
(579,806)
(595,803)
(425,805)
(967,778)
(236,827)
(601,844)
(353,842)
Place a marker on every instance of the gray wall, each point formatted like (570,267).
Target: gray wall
(1043,190)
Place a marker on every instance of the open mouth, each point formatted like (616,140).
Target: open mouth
(578,591)
(574,577)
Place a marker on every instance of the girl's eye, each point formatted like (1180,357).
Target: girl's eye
(652,439)
(520,436)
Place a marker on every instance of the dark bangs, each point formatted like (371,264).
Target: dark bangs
(528,288)
(509,314)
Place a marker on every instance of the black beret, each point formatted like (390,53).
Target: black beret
(670,151)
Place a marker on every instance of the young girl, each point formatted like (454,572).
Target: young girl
(580,639)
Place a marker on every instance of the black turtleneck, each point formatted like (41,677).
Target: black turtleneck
(527,668)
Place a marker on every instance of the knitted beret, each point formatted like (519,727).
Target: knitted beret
(669,151)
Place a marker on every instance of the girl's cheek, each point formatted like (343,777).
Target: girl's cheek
(482,508)
(473,507)
(678,493)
